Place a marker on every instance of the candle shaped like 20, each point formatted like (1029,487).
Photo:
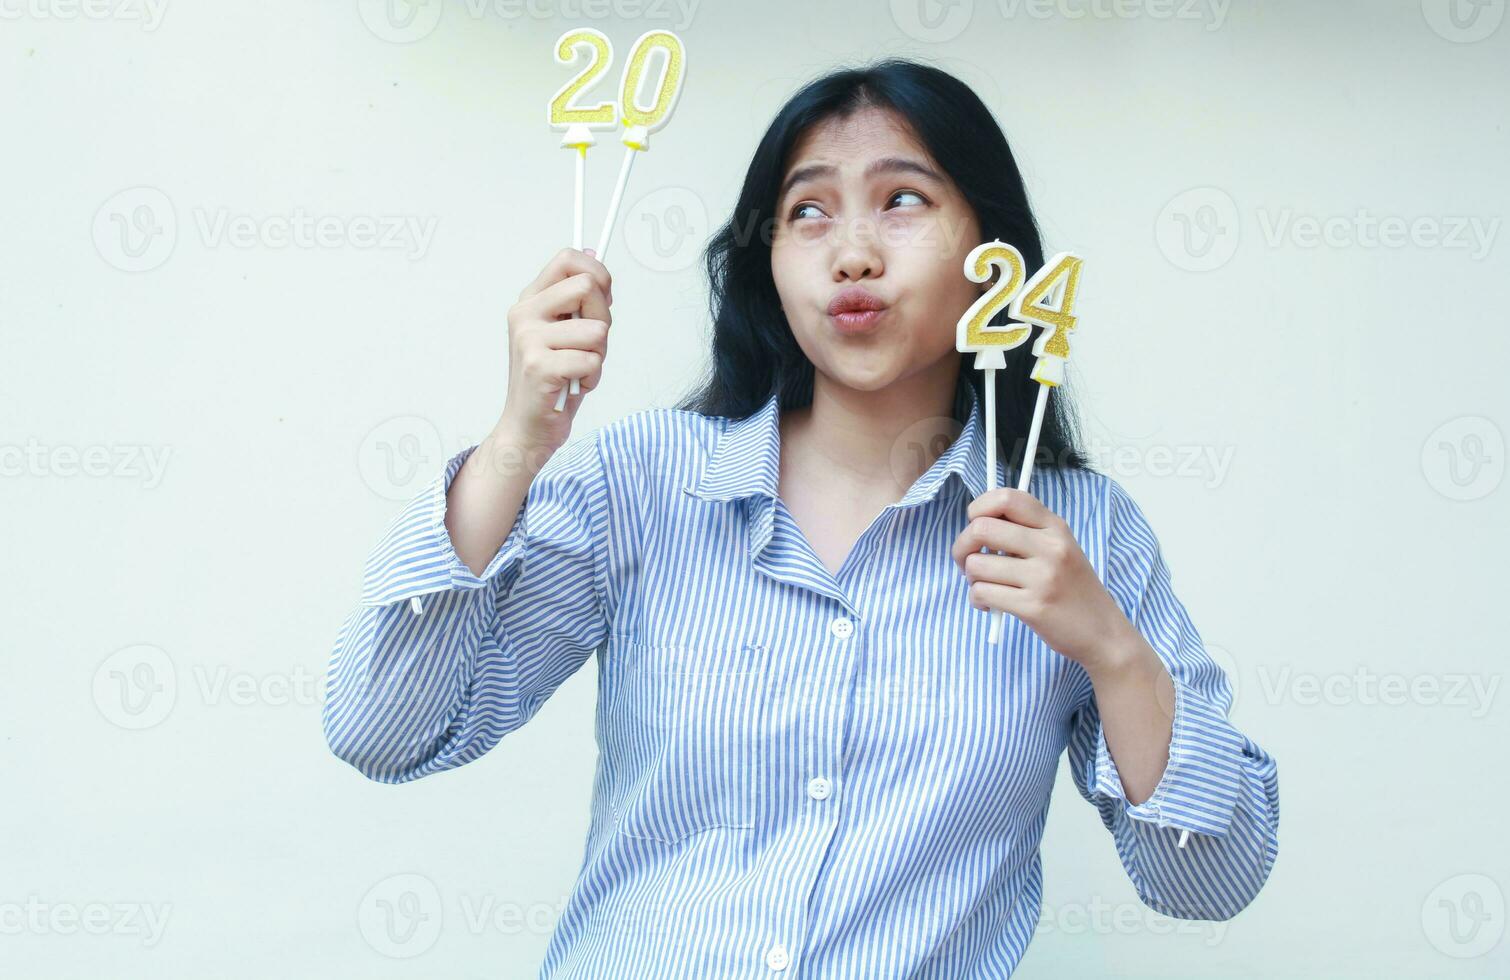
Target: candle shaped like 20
(639,121)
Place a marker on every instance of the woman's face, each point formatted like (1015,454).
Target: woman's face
(865,217)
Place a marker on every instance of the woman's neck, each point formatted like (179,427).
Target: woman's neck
(857,442)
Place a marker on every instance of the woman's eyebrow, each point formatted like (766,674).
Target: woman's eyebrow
(902,165)
(882,165)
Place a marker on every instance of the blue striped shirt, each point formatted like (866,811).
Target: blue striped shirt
(799,772)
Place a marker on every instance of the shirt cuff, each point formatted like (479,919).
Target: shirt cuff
(1199,788)
(415,556)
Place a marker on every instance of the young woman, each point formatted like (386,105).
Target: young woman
(812,759)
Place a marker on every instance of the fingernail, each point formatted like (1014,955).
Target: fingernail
(590,251)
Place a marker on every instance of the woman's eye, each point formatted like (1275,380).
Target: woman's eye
(908,197)
(797,212)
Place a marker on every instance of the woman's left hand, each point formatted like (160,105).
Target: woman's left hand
(1043,578)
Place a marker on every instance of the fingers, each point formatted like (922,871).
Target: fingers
(999,598)
(579,292)
(595,304)
(1007,570)
(546,370)
(995,534)
(577,335)
(564,264)
(1017,506)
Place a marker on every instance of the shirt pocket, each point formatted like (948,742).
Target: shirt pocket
(688,719)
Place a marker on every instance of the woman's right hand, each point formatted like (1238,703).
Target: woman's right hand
(547,348)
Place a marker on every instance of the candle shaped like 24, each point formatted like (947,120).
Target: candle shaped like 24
(1047,299)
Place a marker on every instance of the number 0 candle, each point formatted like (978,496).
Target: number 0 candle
(640,120)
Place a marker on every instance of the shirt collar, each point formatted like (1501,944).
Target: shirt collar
(746,460)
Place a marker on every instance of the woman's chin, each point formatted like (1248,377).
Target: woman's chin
(857,374)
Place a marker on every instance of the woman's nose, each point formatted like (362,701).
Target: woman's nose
(857,254)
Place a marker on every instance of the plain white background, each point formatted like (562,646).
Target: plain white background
(1292,353)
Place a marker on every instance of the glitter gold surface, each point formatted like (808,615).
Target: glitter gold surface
(1059,276)
(674,62)
(972,332)
(560,110)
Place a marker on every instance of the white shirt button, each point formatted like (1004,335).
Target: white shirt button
(777,959)
(819,788)
(841,627)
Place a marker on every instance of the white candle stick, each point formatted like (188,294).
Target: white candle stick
(576,242)
(577,209)
(606,235)
(996,616)
(1023,480)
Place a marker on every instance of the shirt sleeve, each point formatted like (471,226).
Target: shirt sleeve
(436,664)
(1203,844)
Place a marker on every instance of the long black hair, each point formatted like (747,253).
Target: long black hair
(754,351)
